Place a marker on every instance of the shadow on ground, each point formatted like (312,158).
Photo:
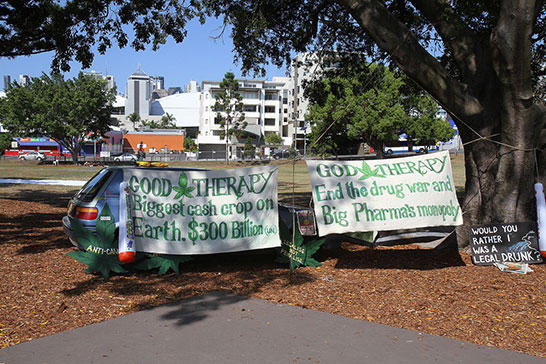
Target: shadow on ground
(57,196)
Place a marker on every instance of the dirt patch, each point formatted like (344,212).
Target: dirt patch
(44,291)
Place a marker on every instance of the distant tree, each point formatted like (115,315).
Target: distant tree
(250,149)
(66,111)
(229,110)
(273,139)
(168,119)
(166,122)
(190,145)
(422,124)
(372,104)
(343,109)
(134,118)
(5,142)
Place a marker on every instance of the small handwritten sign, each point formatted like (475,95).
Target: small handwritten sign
(497,243)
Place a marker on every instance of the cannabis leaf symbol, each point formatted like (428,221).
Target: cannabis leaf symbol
(298,253)
(163,262)
(183,190)
(367,172)
(100,252)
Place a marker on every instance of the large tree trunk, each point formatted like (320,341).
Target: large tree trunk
(501,171)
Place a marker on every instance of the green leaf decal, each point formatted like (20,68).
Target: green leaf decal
(367,171)
(182,190)
(163,262)
(100,252)
(299,253)
(105,228)
(101,263)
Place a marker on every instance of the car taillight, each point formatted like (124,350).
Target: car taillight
(86,213)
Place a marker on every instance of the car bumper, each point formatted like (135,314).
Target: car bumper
(67,228)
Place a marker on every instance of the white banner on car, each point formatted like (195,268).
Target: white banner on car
(204,212)
(384,194)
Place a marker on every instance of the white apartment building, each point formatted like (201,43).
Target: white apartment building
(265,108)
(305,67)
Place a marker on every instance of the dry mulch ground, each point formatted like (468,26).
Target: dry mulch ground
(44,291)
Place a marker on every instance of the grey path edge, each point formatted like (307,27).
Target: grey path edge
(224,328)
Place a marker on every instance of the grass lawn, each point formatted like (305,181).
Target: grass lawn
(294,183)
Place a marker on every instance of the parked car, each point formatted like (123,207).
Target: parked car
(32,156)
(126,157)
(87,204)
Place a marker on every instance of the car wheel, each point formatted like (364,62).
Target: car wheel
(116,159)
(421,150)
(388,152)
(40,159)
(23,158)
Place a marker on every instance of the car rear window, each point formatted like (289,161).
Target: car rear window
(92,187)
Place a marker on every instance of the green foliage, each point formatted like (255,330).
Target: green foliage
(162,261)
(229,110)
(190,145)
(373,104)
(250,150)
(74,30)
(63,110)
(229,106)
(100,253)
(273,139)
(166,122)
(342,107)
(5,142)
(422,125)
(134,118)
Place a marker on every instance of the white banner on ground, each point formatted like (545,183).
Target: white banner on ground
(384,194)
(204,212)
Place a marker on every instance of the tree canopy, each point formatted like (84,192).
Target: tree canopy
(370,103)
(273,139)
(66,111)
(5,142)
(166,122)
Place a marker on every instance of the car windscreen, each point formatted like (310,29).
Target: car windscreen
(92,187)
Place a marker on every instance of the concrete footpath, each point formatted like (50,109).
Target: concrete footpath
(221,328)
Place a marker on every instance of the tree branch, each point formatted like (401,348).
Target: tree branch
(453,31)
(395,38)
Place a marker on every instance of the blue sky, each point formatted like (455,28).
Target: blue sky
(198,58)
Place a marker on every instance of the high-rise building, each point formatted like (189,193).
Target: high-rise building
(158,82)
(192,87)
(110,83)
(139,94)
(7,81)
